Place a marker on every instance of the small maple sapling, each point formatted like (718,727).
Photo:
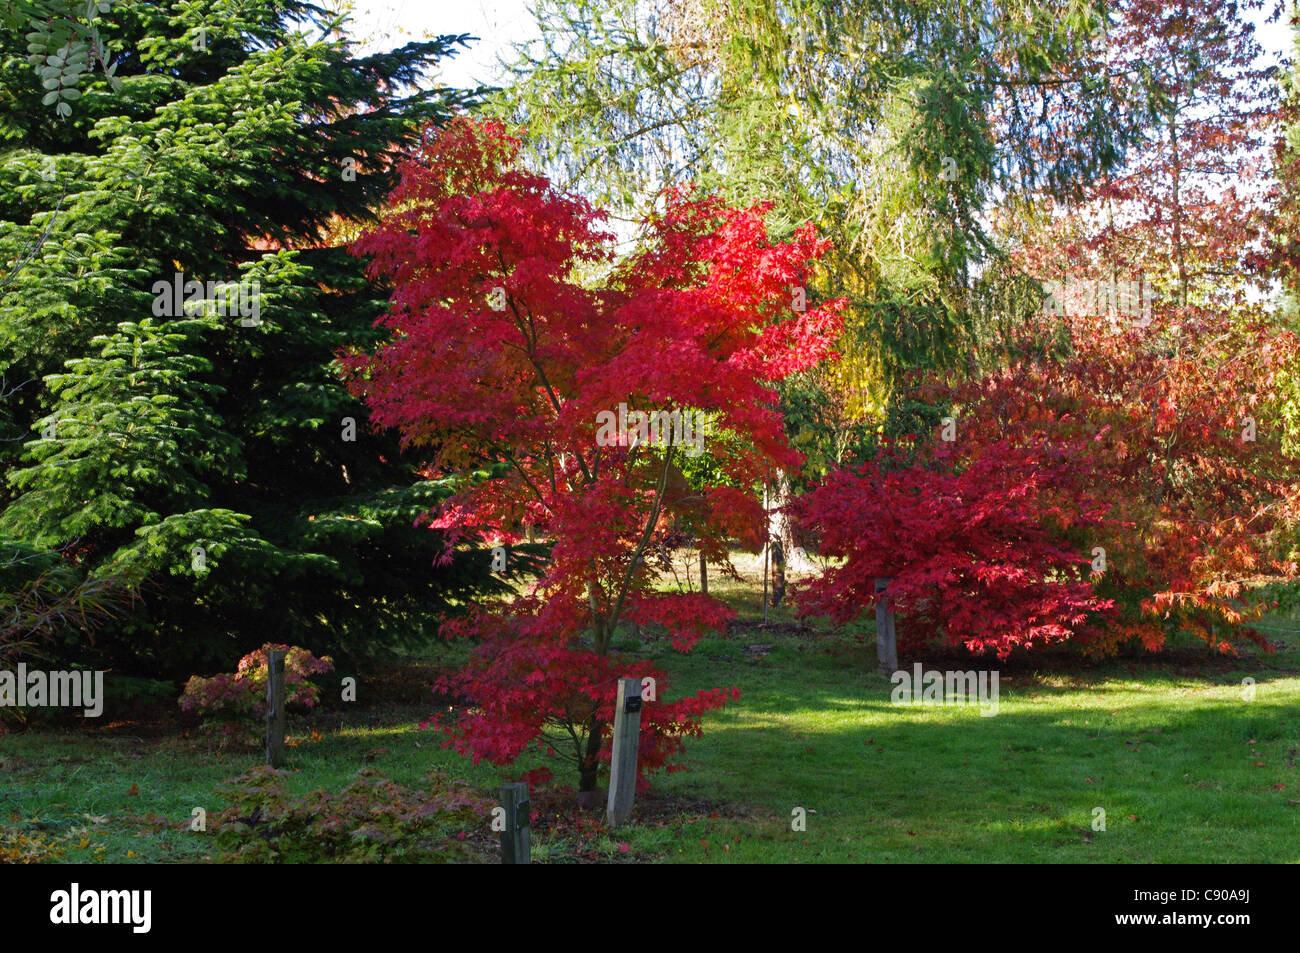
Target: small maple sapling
(514,326)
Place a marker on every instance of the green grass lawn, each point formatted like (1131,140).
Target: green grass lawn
(1184,767)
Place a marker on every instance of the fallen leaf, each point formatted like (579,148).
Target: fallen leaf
(135,789)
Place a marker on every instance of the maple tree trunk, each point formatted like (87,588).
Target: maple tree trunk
(704,574)
(590,768)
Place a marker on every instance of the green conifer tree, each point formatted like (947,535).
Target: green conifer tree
(209,454)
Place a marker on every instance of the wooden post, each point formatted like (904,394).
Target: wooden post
(627,736)
(886,646)
(767,538)
(515,839)
(275,708)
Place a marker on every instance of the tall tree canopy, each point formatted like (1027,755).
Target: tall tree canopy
(888,124)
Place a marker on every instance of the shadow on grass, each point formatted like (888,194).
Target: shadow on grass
(1184,768)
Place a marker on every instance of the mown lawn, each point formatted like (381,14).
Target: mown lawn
(1184,767)
(1185,770)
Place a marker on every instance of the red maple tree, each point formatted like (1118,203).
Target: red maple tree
(1177,405)
(1182,417)
(983,547)
(514,326)
(1117,483)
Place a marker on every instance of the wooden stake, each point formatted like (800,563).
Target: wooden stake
(275,708)
(767,536)
(516,839)
(627,737)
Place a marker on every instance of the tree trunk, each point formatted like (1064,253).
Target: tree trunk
(778,572)
(704,574)
(781,528)
(590,769)
(1179,252)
